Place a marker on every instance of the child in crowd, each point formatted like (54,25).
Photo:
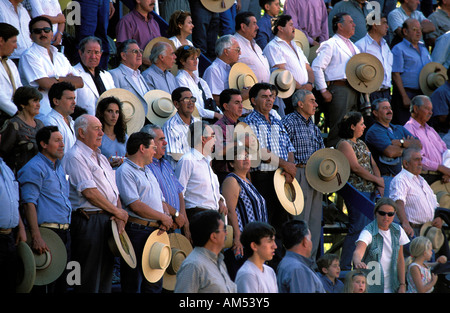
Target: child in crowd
(329,269)
(418,274)
(355,282)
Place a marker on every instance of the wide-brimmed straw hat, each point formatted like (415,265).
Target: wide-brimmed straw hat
(289,195)
(50,264)
(241,76)
(434,234)
(432,76)
(439,186)
(181,248)
(443,198)
(156,256)
(160,106)
(120,245)
(302,41)
(327,170)
(26,273)
(132,108)
(364,72)
(284,81)
(217,6)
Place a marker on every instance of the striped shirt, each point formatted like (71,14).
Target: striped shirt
(418,197)
(304,135)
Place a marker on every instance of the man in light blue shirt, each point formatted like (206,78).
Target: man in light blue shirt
(295,272)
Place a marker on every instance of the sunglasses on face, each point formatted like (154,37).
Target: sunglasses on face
(37,31)
(382,213)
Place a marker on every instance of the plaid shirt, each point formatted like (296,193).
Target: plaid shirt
(272,136)
(304,135)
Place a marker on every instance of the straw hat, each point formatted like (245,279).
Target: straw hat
(132,108)
(120,245)
(432,76)
(284,81)
(181,248)
(443,199)
(217,6)
(156,256)
(242,76)
(244,135)
(302,41)
(434,234)
(290,195)
(229,237)
(364,72)
(50,264)
(327,170)
(148,50)
(27,272)
(160,106)
(439,186)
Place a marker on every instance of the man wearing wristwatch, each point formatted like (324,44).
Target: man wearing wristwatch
(387,141)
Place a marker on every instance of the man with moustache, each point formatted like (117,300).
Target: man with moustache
(339,97)
(42,65)
(44,193)
(283,53)
(306,139)
(96,81)
(95,201)
(62,101)
(139,25)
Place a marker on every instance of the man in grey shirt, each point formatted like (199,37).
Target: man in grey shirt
(204,270)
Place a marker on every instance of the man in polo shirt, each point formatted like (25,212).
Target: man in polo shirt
(145,203)
(306,139)
(44,193)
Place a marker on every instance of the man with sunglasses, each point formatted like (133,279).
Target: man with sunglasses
(42,65)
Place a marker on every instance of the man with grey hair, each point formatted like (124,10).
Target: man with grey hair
(306,139)
(416,201)
(158,75)
(95,202)
(96,81)
(127,75)
(216,75)
(433,146)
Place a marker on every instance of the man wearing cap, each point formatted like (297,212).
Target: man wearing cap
(96,81)
(387,141)
(142,198)
(127,75)
(95,201)
(158,75)
(329,70)
(283,53)
(204,270)
(201,186)
(42,65)
(9,75)
(416,201)
(9,219)
(433,146)
(410,56)
(177,127)
(165,175)
(306,139)
(44,193)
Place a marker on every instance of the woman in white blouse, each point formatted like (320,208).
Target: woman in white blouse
(180,27)
(187,61)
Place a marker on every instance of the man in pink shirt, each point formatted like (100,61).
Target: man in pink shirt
(432,145)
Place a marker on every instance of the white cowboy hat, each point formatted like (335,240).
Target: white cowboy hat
(289,195)
(432,76)
(132,108)
(181,248)
(156,256)
(364,72)
(241,76)
(160,106)
(284,81)
(327,170)
(120,245)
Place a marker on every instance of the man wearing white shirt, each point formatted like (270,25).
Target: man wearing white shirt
(201,185)
(416,201)
(127,75)
(52,10)
(9,75)
(96,81)
(329,71)
(42,65)
(283,53)
(62,101)
(15,14)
